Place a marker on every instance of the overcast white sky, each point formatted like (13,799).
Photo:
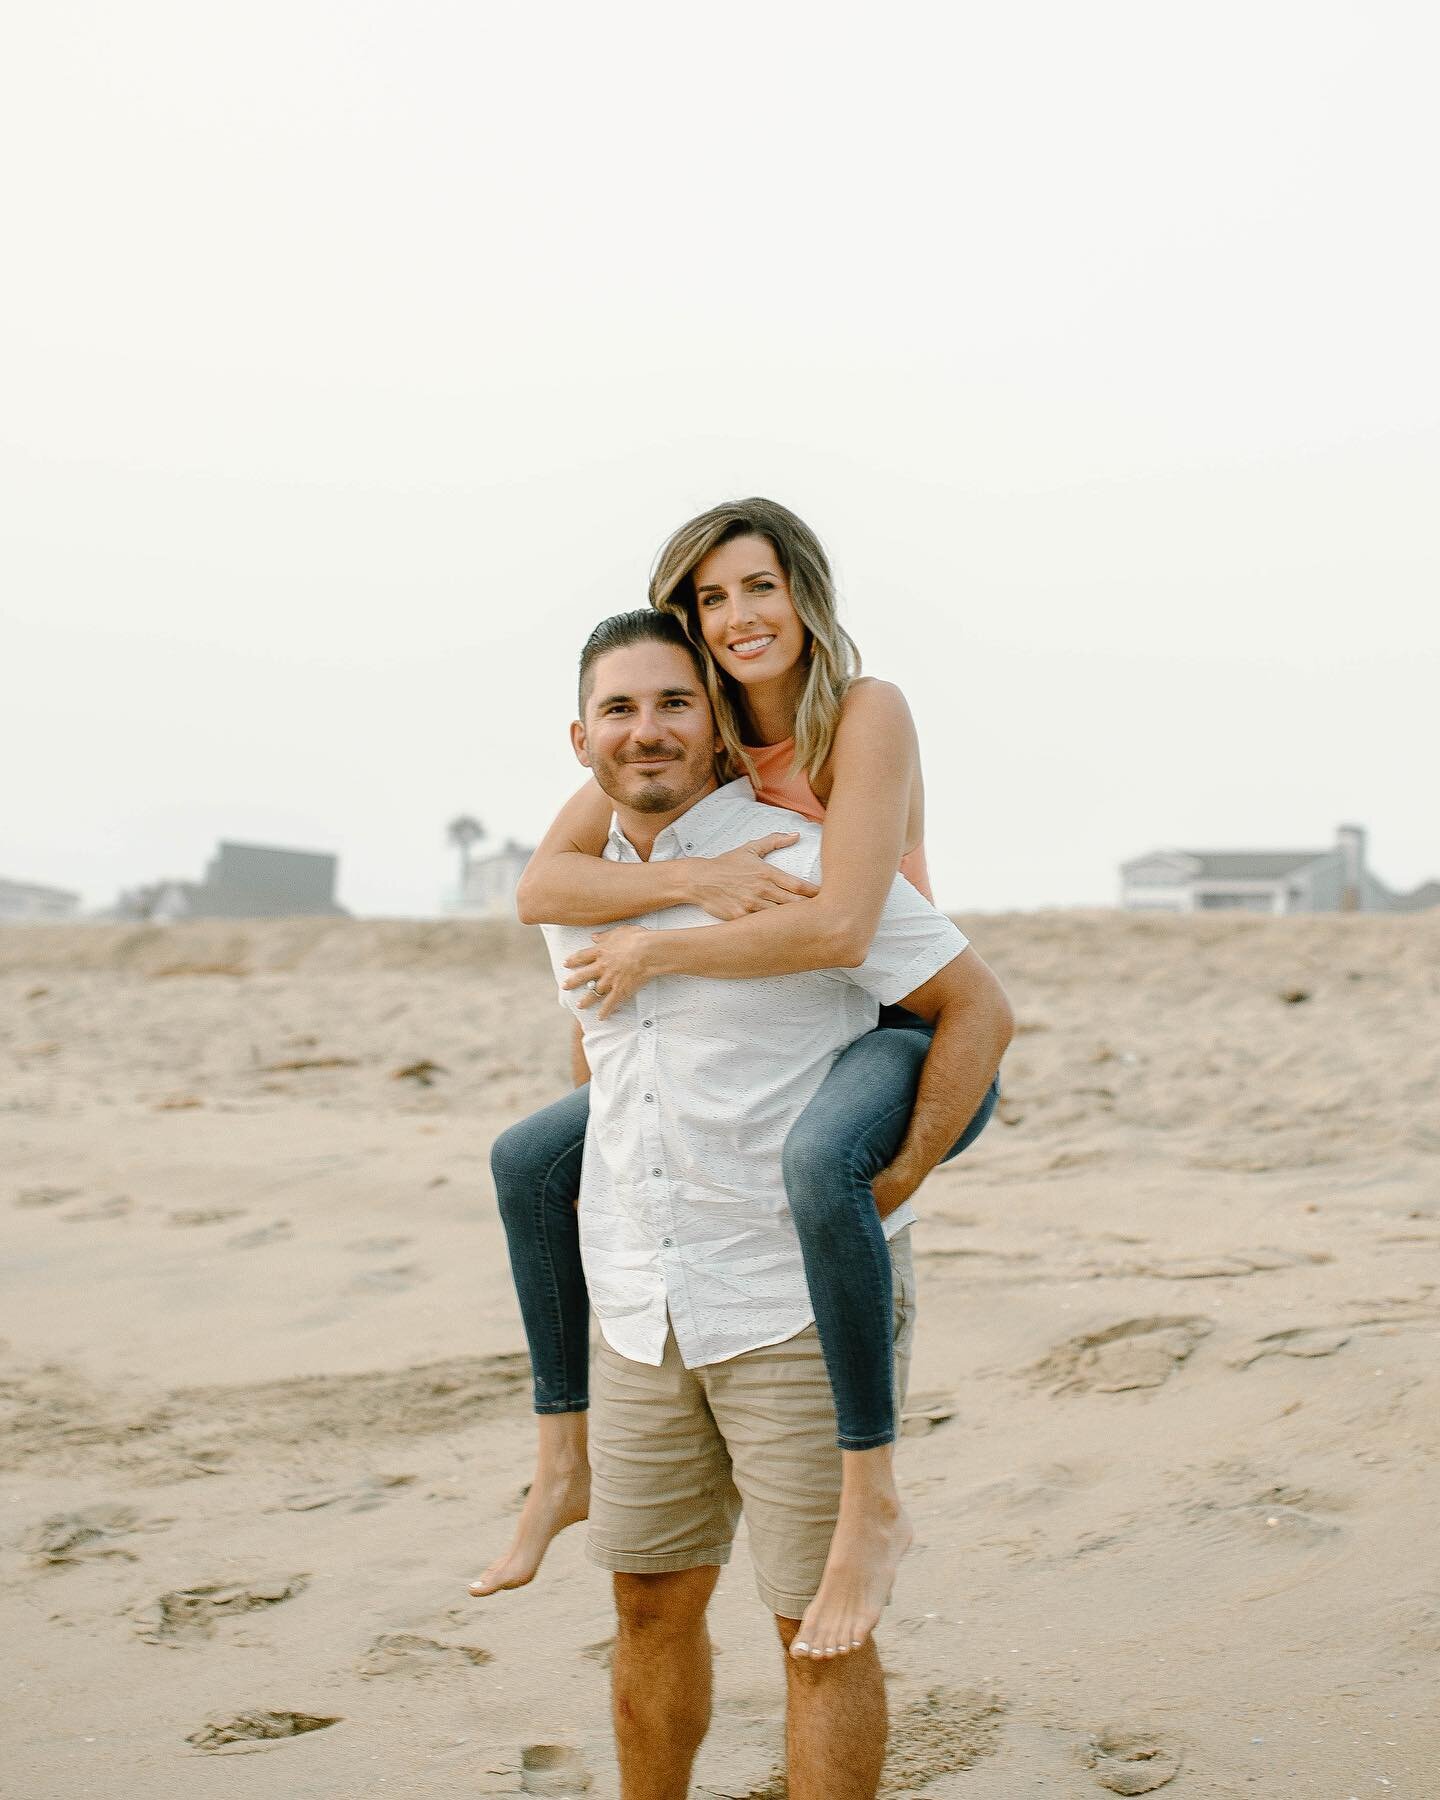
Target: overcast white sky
(356,358)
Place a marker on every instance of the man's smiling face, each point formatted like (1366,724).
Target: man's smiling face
(648,733)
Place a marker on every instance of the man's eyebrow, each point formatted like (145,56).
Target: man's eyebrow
(668,693)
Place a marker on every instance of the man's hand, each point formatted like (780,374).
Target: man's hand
(616,965)
(973,1024)
(892,1188)
(741,881)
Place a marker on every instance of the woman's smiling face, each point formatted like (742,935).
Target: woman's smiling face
(747,618)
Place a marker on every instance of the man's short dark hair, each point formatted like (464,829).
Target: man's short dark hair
(623,629)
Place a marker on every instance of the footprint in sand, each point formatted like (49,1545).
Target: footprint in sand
(923,1412)
(379,1246)
(1136,1353)
(1298,1340)
(46,1196)
(1130,1762)
(189,1614)
(417,1401)
(57,1419)
(1022,1495)
(274,1233)
(408,1653)
(116,1208)
(180,1462)
(364,1497)
(1229,1264)
(254,1730)
(941,1732)
(78,1536)
(553,1769)
(204,1215)
(1415,1624)
(394,1280)
(1265,1519)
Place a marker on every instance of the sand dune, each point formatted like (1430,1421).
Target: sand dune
(1173,1436)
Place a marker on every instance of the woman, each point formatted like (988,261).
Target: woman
(752,587)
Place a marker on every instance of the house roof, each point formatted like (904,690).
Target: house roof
(1419,899)
(34,890)
(1252,865)
(1230,865)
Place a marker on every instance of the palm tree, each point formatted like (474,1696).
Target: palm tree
(464,833)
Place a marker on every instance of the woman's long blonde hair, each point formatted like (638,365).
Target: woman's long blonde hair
(834,660)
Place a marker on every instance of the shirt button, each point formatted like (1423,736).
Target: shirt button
(667,1243)
(647,1023)
(655,1172)
(650,1097)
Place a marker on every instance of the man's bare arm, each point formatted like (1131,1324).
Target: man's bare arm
(973,1026)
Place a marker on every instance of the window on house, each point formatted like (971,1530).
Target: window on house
(1234,902)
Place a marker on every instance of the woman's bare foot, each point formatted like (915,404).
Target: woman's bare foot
(559,1496)
(872,1533)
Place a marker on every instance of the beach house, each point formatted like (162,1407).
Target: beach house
(27,903)
(488,890)
(242,881)
(1266,881)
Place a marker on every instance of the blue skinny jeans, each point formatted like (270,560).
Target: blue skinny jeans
(845,1136)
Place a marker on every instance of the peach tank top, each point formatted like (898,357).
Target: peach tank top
(779,783)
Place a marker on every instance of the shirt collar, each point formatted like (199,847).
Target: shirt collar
(691,832)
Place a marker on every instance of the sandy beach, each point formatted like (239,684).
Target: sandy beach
(1172,1442)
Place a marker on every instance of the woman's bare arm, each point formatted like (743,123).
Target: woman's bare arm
(566,882)
(874,765)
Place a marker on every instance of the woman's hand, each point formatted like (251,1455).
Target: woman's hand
(615,967)
(741,881)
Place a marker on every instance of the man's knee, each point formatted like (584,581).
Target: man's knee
(671,1604)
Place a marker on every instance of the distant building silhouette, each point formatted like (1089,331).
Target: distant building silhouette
(26,903)
(1266,881)
(490,882)
(243,881)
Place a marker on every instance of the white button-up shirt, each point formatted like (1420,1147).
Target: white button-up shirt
(694,1086)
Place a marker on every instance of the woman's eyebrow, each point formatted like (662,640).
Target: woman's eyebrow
(714,587)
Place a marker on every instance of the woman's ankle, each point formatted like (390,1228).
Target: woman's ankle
(867,1477)
(563,1448)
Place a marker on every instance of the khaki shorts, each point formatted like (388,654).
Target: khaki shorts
(677,1455)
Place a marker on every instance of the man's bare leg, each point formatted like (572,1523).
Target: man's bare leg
(559,1496)
(660,1680)
(834,1722)
(872,1533)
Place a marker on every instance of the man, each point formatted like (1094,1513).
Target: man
(710,1392)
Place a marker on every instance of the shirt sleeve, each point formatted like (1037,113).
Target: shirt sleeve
(555,944)
(912,942)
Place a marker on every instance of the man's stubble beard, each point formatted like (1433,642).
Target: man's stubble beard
(654,797)
(657,794)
